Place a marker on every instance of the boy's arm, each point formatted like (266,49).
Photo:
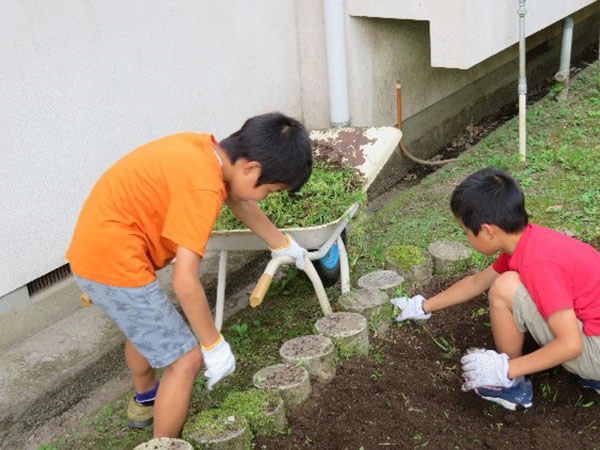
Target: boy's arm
(566,345)
(255,219)
(462,290)
(192,297)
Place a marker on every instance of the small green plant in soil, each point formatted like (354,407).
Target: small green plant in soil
(325,197)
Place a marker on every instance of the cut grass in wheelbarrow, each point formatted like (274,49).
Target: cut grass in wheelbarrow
(326,196)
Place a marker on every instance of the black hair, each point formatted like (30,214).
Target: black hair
(279,143)
(490,196)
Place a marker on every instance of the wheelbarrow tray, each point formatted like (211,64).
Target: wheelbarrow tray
(365,148)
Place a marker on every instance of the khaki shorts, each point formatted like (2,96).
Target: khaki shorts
(528,318)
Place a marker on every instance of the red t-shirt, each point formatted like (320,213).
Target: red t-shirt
(559,272)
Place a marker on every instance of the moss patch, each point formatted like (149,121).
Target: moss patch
(213,424)
(253,405)
(405,256)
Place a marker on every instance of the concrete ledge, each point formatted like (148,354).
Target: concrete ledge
(49,372)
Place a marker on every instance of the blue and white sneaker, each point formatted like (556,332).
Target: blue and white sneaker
(590,384)
(519,395)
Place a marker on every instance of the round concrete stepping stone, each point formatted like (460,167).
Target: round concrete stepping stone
(371,303)
(263,409)
(292,383)
(316,353)
(216,429)
(348,331)
(449,257)
(381,279)
(413,263)
(165,443)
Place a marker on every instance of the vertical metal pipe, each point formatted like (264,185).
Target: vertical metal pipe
(522,84)
(336,62)
(399,103)
(562,76)
(221,281)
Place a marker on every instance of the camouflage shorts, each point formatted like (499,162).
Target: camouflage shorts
(147,318)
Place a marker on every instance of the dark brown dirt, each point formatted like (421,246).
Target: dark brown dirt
(406,394)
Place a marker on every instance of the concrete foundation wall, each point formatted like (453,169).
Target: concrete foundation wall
(492,85)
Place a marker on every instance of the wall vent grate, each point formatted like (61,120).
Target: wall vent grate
(45,281)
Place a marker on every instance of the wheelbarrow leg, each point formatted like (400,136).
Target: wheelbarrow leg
(313,276)
(221,281)
(344,266)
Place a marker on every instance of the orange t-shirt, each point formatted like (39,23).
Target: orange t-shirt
(164,194)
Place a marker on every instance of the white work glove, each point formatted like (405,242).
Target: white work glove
(219,361)
(293,250)
(483,367)
(411,308)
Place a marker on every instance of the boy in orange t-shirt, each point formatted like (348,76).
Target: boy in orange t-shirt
(161,202)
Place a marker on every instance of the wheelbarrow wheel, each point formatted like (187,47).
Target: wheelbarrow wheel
(328,267)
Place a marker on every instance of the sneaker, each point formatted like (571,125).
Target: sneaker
(138,414)
(520,395)
(590,384)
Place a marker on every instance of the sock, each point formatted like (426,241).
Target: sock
(147,398)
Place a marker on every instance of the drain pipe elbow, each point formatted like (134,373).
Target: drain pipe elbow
(336,63)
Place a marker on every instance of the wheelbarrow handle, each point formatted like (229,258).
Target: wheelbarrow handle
(261,288)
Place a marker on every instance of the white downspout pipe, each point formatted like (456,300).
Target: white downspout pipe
(522,84)
(562,76)
(336,62)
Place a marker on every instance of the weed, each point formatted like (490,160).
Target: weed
(107,410)
(479,312)
(379,357)
(580,404)
(443,345)
(377,374)
(241,329)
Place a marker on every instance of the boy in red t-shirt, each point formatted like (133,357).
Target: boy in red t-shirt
(159,202)
(543,282)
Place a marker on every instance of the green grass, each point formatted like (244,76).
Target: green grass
(559,177)
(560,180)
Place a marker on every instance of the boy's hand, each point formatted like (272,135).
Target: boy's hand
(485,368)
(219,361)
(411,308)
(293,250)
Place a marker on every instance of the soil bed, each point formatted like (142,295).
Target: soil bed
(406,394)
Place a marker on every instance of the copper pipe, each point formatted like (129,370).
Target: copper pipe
(399,103)
(405,152)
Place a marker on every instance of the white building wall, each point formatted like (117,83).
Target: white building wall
(83,83)
(466,32)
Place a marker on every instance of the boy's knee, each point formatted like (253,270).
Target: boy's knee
(189,363)
(503,288)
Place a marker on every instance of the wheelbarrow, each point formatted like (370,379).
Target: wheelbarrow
(365,148)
